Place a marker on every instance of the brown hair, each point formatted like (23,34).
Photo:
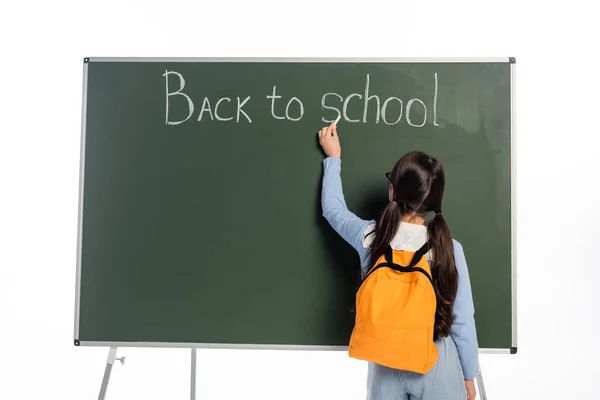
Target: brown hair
(418,182)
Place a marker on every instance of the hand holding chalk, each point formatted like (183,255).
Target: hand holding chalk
(330,141)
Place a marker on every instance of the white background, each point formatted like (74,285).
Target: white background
(43,44)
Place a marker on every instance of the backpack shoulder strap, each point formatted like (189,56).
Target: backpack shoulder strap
(389,262)
(419,254)
(415,260)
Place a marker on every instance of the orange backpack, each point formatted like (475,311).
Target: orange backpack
(395,313)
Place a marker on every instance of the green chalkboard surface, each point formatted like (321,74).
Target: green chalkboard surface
(200,218)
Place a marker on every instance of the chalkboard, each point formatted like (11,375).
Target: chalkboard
(200,220)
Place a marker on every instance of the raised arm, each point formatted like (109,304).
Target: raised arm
(463,330)
(350,227)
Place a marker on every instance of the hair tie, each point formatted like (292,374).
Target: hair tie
(401,205)
(438,212)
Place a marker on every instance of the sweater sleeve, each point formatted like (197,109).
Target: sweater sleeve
(463,330)
(350,227)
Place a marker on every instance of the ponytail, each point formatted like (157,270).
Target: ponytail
(444,273)
(385,229)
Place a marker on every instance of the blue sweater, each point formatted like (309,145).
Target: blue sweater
(353,230)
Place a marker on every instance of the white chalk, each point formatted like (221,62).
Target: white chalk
(337,120)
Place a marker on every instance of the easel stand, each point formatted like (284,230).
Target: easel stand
(112,357)
(481,387)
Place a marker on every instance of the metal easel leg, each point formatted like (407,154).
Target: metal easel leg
(481,387)
(193,377)
(112,356)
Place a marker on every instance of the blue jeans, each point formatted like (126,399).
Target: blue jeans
(444,381)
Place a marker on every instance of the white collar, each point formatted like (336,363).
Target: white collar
(409,237)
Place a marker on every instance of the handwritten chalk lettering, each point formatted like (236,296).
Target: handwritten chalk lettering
(346,107)
(274,96)
(239,109)
(217,116)
(323,106)
(384,109)
(408,107)
(435,96)
(178,92)
(205,107)
(301,109)
(369,98)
